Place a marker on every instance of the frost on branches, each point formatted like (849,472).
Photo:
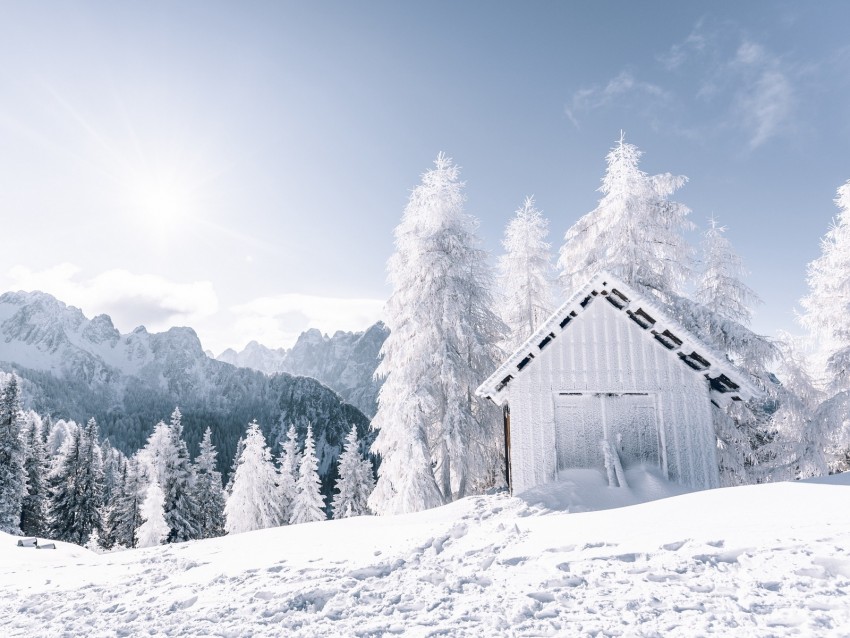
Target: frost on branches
(308,505)
(436,439)
(827,316)
(208,491)
(154,530)
(525,274)
(253,503)
(635,232)
(287,473)
(355,482)
(13,475)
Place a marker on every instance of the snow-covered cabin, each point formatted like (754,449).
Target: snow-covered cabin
(611,372)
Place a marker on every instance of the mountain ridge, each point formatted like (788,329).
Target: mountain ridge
(75,367)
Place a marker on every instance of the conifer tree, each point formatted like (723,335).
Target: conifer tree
(76,484)
(635,232)
(525,274)
(181,511)
(287,474)
(827,317)
(355,482)
(125,516)
(13,474)
(253,503)
(309,503)
(435,437)
(720,287)
(154,530)
(209,493)
(34,506)
(801,442)
(240,446)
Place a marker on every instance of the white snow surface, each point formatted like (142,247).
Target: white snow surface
(765,560)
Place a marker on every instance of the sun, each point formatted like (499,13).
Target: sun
(161,203)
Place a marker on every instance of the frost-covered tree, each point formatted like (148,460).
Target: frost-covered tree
(35,503)
(287,473)
(253,503)
(13,474)
(525,274)
(355,482)
(76,486)
(240,446)
(827,316)
(154,530)
(208,491)
(635,232)
(721,288)
(59,431)
(181,511)
(802,438)
(435,437)
(157,450)
(125,515)
(309,504)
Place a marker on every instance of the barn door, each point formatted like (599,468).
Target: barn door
(578,427)
(628,421)
(633,428)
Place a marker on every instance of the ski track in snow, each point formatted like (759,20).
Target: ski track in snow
(484,566)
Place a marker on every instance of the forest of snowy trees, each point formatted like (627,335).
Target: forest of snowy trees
(60,480)
(452,317)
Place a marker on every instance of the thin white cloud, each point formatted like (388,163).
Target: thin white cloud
(764,101)
(276,321)
(682,52)
(615,90)
(130,299)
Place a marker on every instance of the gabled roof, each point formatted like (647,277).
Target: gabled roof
(725,381)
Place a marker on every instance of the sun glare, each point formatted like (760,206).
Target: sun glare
(162,205)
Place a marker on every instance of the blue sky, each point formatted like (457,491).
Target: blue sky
(239,167)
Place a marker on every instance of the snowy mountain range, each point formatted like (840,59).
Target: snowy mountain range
(75,367)
(345,362)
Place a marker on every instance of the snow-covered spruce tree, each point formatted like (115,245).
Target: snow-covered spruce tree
(209,493)
(309,504)
(125,515)
(34,505)
(181,511)
(720,287)
(827,317)
(154,530)
(287,473)
(525,274)
(800,442)
(253,503)
(355,482)
(76,484)
(749,445)
(635,232)
(436,439)
(240,446)
(13,474)
(157,450)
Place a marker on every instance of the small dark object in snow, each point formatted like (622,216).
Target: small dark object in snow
(46,546)
(28,542)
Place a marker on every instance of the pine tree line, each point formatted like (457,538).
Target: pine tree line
(62,482)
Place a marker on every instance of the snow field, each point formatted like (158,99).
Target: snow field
(767,560)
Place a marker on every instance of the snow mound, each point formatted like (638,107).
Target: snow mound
(765,560)
(588,490)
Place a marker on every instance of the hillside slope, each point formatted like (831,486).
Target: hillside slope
(765,560)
